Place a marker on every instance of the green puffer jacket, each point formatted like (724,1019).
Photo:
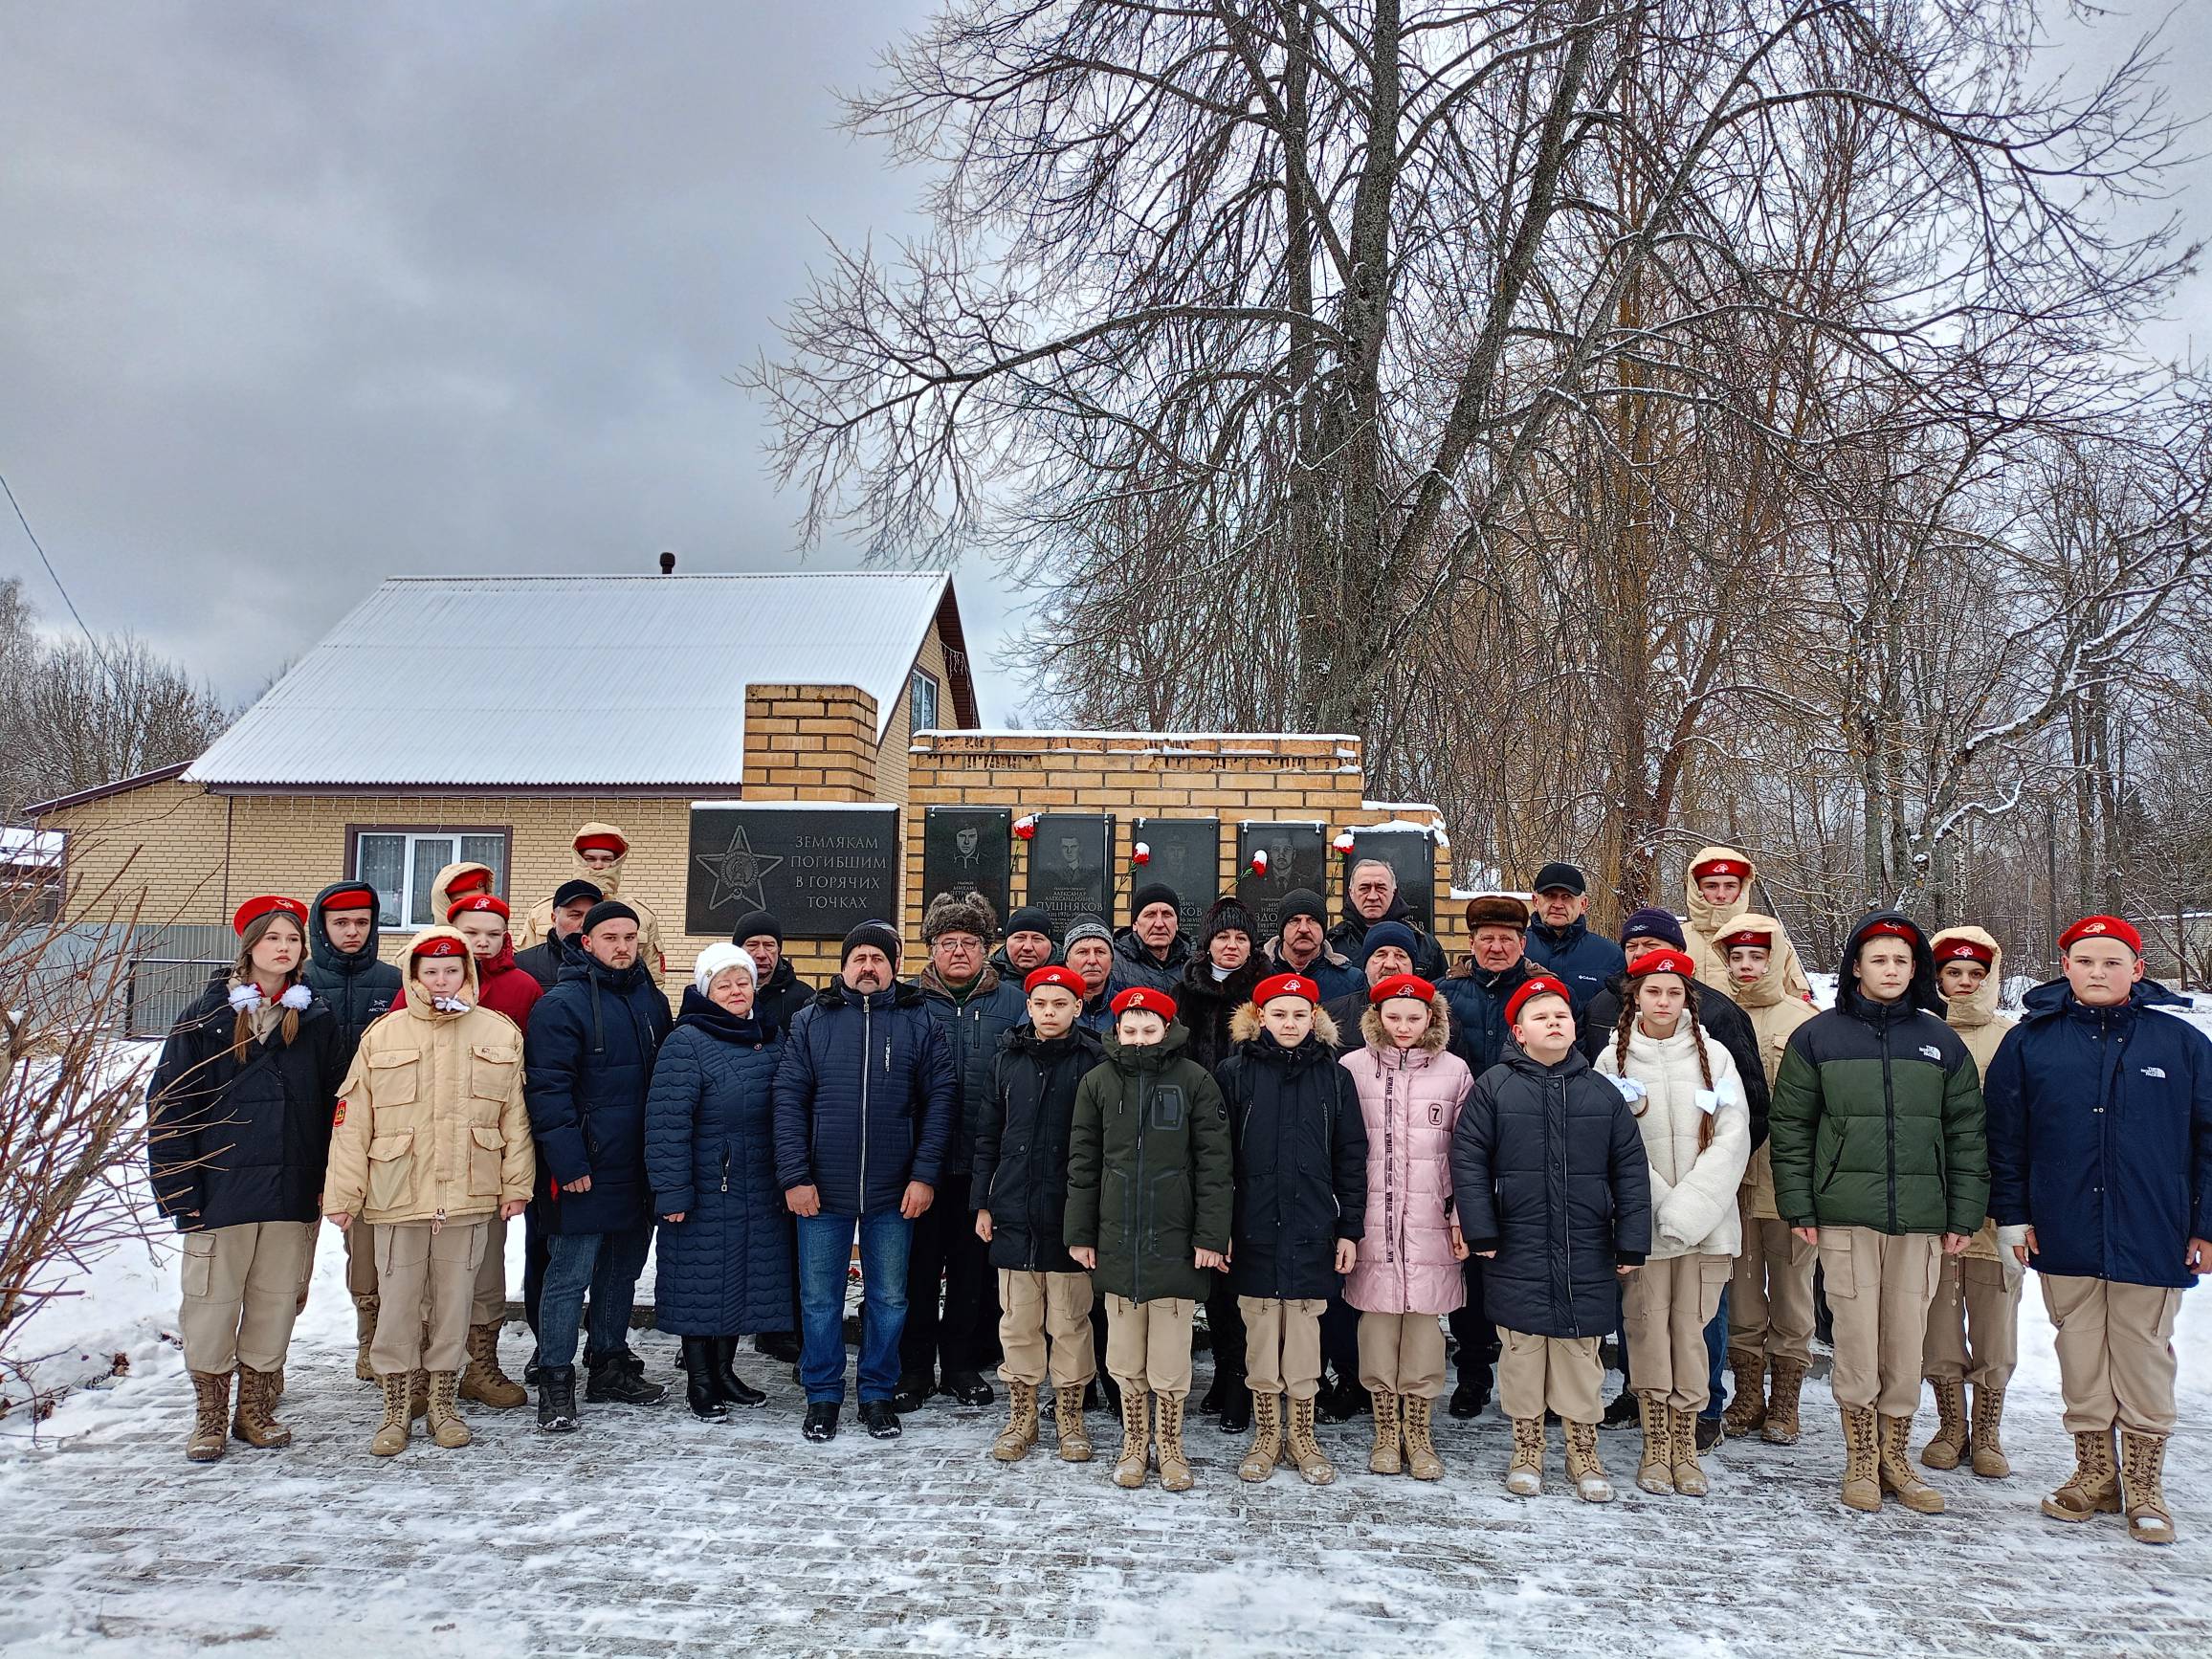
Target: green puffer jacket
(1149,1172)
(1877,1120)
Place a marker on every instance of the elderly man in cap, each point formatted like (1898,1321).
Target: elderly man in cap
(865,1103)
(1151,951)
(572,902)
(1089,949)
(2100,1160)
(1371,895)
(1559,938)
(782,992)
(588,1063)
(1302,946)
(1476,991)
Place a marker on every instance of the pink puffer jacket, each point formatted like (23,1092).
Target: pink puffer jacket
(1410,1098)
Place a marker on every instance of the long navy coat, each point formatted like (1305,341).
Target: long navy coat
(1548,1170)
(588,1063)
(2100,1135)
(710,1123)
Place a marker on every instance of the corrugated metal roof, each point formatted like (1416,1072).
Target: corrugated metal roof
(536,680)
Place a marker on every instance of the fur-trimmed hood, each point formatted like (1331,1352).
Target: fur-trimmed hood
(1965,1013)
(1433,1041)
(1245,1025)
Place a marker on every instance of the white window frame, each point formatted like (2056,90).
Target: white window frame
(917,683)
(409,836)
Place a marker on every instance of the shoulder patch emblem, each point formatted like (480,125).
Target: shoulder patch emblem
(338,1116)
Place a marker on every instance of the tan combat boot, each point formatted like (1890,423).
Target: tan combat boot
(391,1437)
(1988,1451)
(1747,1411)
(1174,1467)
(364,1334)
(1135,1431)
(1385,1458)
(1584,1468)
(1655,1472)
(483,1381)
(447,1427)
(256,1396)
(2094,1486)
(211,1415)
(1020,1430)
(1267,1448)
(1524,1475)
(2142,1488)
(1949,1444)
(1067,1419)
(1899,1479)
(1682,1450)
(1780,1428)
(1314,1468)
(1420,1460)
(1862,1459)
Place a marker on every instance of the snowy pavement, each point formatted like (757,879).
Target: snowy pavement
(651,1534)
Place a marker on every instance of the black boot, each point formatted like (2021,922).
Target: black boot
(968,1387)
(1236,1402)
(531,1370)
(1624,1412)
(615,1382)
(734,1389)
(699,1374)
(878,1417)
(777,1345)
(1210,1404)
(1467,1400)
(914,1388)
(557,1399)
(821,1420)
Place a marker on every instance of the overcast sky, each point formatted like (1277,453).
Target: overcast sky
(295,297)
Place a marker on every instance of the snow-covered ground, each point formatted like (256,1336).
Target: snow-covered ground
(649,1533)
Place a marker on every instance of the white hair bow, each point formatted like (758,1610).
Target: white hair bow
(297,996)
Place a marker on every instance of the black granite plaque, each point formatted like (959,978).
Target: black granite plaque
(819,869)
(1295,860)
(1071,865)
(968,849)
(1412,855)
(1186,855)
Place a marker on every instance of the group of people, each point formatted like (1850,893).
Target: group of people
(1050,1148)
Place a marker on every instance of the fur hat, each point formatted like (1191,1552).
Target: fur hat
(960,913)
(1498,910)
(717,960)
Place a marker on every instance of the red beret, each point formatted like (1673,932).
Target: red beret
(361,898)
(1966,950)
(440,944)
(1145,999)
(476,901)
(263,905)
(1662,962)
(469,881)
(1054,974)
(1762,937)
(1719,867)
(1885,929)
(1286,985)
(2102,927)
(1542,986)
(601,843)
(1402,985)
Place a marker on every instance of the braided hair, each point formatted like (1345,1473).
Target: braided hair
(1628,1023)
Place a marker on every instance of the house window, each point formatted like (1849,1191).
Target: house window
(401,864)
(922,701)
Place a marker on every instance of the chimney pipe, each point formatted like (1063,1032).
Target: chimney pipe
(668,563)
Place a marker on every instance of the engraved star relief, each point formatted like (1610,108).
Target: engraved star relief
(738,872)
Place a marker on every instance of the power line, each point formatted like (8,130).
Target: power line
(54,576)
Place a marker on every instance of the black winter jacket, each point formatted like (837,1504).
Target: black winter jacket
(1021,1157)
(1595,1029)
(783,995)
(709,1154)
(1350,934)
(1134,964)
(230,1141)
(587,1066)
(1548,1170)
(865,1098)
(358,986)
(1206,1005)
(544,960)
(1300,1145)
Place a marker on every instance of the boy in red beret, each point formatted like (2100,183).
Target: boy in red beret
(1149,1114)
(1021,1188)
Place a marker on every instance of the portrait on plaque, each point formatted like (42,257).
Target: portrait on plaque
(1186,854)
(1069,857)
(968,849)
(1296,858)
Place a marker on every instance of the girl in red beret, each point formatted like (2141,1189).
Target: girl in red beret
(1683,1090)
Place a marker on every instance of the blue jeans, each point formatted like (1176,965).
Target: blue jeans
(824,1254)
(609,1263)
(1716,1351)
